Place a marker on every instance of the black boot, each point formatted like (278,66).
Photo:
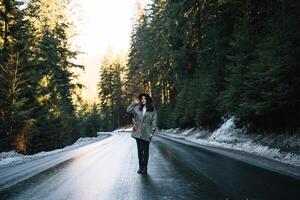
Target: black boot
(140,169)
(144,169)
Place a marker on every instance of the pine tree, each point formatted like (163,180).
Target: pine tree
(14,61)
(112,92)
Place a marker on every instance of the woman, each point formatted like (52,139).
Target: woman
(145,119)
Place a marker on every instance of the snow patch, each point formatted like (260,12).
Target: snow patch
(13,156)
(10,156)
(283,148)
(126,129)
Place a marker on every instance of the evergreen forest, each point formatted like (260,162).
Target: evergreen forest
(202,61)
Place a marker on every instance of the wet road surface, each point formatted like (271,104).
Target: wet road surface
(107,170)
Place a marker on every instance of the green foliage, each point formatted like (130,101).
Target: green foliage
(90,121)
(205,60)
(113,99)
(36,82)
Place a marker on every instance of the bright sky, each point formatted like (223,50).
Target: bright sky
(101,24)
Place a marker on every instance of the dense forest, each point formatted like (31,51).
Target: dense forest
(205,61)
(38,89)
(201,61)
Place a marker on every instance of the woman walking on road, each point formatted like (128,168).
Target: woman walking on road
(144,119)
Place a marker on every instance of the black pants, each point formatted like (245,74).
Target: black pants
(143,152)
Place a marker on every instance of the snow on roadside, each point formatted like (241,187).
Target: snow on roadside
(13,156)
(125,129)
(10,156)
(283,148)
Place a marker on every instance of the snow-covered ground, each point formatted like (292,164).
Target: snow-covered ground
(125,129)
(283,148)
(13,156)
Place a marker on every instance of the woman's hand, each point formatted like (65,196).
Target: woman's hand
(136,100)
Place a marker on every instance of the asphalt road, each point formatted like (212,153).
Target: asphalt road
(107,170)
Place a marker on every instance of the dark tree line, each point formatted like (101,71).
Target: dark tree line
(37,85)
(204,61)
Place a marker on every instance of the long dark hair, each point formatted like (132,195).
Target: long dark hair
(149,105)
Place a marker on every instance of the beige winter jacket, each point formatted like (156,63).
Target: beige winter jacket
(146,125)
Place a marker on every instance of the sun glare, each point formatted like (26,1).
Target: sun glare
(100,25)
